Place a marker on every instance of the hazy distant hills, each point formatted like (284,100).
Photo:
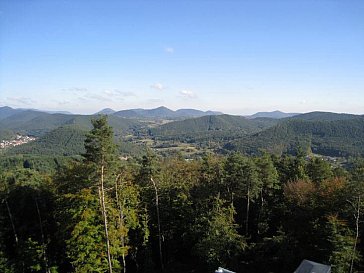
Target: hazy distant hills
(156,113)
(323,133)
(59,134)
(6,111)
(38,123)
(164,113)
(275,114)
(106,111)
(195,113)
(325,116)
(58,112)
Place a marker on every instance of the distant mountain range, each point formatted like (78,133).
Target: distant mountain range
(6,111)
(38,123)
(105,111)
(323,133)
(57,112)
(325,116)
(59,134)
(160,113)
(275,114)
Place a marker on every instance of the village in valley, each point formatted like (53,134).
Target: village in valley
(18,140)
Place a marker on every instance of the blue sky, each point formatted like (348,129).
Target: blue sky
(238,57)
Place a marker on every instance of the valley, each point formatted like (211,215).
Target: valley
(245,190)
(181,136)
(322,133)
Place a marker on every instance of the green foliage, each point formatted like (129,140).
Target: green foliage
(31,256)
(100,221)
(241,177)
(208,132)
(5,265)
(99,145)
(341,138)
(342,244)
(85,247)
(269,191)
(63,141)
(319,170)
(38,123)
(41,163)
(242,182)
(28,205)
(324,116)
(251,214)
(220,243)
(148,168)
(210,124)
(268,174)
(6,134)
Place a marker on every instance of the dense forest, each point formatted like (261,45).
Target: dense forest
(67,140)
(317,133)
(339,138)
(98,213)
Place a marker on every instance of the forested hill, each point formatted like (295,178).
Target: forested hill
(120,125)
(33,122)
(38,123)
(242,124)
(6,111)
(213,123)
(64,141)
(163,113)
(325,116)
(343,137)
(67,140)
(320,132)
(274,114)
(249,214)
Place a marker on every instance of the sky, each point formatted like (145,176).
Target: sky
(238,57)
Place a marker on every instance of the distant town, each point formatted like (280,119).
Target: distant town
(18,140)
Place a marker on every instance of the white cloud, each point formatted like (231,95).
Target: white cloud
(155,101)
(158,86)
(20,101)
(127,94)
(106,95)
(169,50)
(188,94)
(97,97)
(82,99)
(63,102)
(303,101)
(118,93)
(75,89)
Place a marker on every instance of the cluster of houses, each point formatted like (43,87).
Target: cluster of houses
(18,140)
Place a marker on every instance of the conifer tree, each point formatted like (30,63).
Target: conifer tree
(220,243)
(100,153)
(342,243)
(242,180)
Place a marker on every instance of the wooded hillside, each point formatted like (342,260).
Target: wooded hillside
(259,214)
